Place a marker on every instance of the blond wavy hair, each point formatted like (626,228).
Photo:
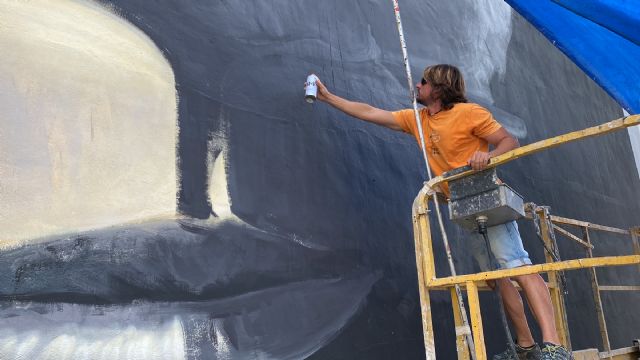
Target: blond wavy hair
(447,84)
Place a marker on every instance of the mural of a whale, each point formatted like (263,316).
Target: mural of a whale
(177,198)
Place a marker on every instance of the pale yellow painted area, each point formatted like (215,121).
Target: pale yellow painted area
(87,120)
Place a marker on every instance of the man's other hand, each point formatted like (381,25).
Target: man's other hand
(479,160)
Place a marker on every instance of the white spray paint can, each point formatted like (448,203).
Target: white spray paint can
(311,89)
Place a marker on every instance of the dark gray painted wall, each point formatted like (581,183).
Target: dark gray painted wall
(345,187)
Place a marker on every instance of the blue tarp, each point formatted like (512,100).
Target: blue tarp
(601,36)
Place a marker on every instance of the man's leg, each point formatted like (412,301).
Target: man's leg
(501,238)
(515,311)
(506,245)
(539,301)
(508,251)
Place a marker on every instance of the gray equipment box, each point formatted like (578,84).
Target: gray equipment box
(482,194)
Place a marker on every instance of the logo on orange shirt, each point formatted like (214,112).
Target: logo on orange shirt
(434,138)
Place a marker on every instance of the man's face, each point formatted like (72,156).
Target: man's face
(424,92)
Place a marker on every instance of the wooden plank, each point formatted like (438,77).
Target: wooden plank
(476,321)
(630,353)
(586,354)
(539,268)
(605,128)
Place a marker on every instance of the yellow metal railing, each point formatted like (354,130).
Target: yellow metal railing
(546,144)
(428,281)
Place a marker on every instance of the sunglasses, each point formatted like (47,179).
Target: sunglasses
(423,81)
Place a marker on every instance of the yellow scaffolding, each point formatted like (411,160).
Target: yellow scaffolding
(549,224)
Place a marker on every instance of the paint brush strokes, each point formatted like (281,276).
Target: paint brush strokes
(294,239)
(228,291)
(87,120)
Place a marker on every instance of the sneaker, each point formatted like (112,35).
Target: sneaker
(555,352)
(530,353)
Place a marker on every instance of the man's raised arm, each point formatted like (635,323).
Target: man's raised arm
(358,110)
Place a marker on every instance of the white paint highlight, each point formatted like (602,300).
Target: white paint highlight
(87,121)
(76,342)
(634,136)
(488,27)
(218,189)
(221,342)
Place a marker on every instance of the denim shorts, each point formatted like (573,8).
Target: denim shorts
(506,246)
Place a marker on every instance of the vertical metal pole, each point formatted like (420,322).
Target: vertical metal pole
(556,289)
(462,347)
(426,268)
(595,287)
(635,234)
(412,95)
(476,321)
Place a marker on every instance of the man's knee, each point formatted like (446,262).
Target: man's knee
(528,279)
(503,282)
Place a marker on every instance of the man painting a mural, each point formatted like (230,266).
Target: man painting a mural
(459,133)
(165,192)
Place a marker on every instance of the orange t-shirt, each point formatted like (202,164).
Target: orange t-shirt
(451,136)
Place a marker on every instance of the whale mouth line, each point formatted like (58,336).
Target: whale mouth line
(81,298)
